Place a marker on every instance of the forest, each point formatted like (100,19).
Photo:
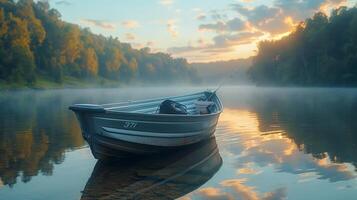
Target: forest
(322,51)
(35,44)
(230,72)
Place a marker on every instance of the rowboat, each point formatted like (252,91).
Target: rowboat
(165,176)
(136,127)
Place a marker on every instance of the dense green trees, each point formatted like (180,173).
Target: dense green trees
(35,42)
(322,51)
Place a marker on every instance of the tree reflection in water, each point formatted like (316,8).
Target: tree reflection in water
(35,131)
(36,128)
(322,123)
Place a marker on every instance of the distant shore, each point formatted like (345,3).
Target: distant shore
(93,84)
(68,82)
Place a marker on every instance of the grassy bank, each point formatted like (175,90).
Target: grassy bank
(68,82)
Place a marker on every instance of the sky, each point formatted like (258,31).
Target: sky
(198,30)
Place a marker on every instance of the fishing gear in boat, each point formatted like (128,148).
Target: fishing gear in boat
(214,92)
(205,105)
(172,107)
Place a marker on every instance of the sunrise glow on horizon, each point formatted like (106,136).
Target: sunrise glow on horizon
(201,30)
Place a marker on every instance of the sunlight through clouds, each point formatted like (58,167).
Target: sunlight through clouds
(232,28)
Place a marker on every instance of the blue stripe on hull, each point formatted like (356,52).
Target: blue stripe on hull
(155,139)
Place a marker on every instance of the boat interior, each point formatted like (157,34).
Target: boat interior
(152,106)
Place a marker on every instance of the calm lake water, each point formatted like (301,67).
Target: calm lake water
(270,144)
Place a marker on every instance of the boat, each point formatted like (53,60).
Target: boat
(138,128)
(164,176)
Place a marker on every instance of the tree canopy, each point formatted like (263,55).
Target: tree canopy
(34,42)
(322,51)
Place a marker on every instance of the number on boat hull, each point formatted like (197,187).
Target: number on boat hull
(129,124)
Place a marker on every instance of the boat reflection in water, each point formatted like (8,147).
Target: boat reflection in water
(166,176)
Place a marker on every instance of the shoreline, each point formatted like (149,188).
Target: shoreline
(11,87)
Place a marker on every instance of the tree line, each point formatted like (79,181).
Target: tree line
(35,42)
(322,51)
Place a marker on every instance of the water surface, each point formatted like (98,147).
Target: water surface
(270,143)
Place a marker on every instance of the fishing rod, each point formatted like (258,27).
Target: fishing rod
(215,91)
(219,87)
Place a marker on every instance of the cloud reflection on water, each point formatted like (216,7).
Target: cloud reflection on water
(274,148)
(255,147)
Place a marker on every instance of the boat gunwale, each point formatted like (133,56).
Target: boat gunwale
(110,111)
(100,109)
(163,115)
(148,100)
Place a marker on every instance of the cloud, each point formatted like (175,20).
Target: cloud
(216,15)
(99,23)
(205,51)
(273,19)
(129,36)
(235,24)
(257,14)
(201,16)
(183,49)
(283,15)
(276,26)
(130,24)
(249,193)
(202,41)
(150,43)
(225,40)
(218,26)
(247,170)
(241,191)
(65,3)
(172,28)
(302,9)
(248,25)
(330,4)
(278,194)
(137,45)
(220,43)
(214,194)
(166,2)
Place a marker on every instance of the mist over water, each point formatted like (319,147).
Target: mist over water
(275,143)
